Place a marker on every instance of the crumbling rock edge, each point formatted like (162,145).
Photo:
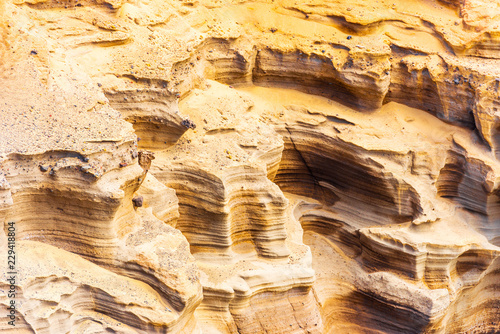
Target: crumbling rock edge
(253,167)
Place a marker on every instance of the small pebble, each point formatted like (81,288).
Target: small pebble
(138,201)
(188,123)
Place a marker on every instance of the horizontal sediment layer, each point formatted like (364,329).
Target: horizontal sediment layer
(253,167)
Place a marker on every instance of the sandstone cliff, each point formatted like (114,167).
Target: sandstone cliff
(274,166)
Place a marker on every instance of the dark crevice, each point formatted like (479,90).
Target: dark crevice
(327,198)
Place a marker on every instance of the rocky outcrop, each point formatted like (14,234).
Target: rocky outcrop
(250,167)
(70,170)
(361,79)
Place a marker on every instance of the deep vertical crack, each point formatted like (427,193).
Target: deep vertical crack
(314,179)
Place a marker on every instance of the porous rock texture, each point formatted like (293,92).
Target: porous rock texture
(278,166)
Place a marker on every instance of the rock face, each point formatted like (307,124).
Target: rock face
(250,167)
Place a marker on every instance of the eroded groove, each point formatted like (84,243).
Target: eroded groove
(211,167)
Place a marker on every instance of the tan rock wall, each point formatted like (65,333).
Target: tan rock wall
(250,166)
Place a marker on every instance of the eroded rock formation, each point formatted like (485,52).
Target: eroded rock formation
(250,166)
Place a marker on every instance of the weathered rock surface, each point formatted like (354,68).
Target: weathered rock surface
(250,166)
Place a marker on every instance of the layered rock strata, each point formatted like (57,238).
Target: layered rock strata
(250,167)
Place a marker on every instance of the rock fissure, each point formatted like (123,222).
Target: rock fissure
(217,167)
